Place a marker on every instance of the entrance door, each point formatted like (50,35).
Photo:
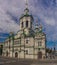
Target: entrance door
(16,54)
(39,55)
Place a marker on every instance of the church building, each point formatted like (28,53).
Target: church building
(27,43)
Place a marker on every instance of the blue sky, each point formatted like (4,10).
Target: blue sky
(45,11)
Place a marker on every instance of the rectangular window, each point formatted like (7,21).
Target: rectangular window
(39,43)
(26,51)
(27,40)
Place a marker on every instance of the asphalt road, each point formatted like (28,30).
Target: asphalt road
(13,61)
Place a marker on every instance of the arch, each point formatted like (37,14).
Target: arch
(16,54)
(40,55)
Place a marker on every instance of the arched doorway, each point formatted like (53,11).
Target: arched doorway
(40,55)
(16,54)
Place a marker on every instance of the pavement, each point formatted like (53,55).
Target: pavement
(15,61)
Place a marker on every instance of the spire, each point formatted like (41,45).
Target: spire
(26,9)
(26,3)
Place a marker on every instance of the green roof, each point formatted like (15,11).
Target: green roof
(26,9)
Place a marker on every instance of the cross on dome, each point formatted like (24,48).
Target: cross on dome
(26,9)
(26,3)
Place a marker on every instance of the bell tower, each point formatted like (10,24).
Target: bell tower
(26,19)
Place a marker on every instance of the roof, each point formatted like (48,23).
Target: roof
(26,15)
(26,9)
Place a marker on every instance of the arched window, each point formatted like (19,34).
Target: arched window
(16,54)
(26,23)
(22,25)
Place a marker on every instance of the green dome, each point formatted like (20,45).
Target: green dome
(26,14)
(26,10)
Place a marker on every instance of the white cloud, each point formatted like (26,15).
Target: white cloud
(16,7)
(6,24)
(50,21)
